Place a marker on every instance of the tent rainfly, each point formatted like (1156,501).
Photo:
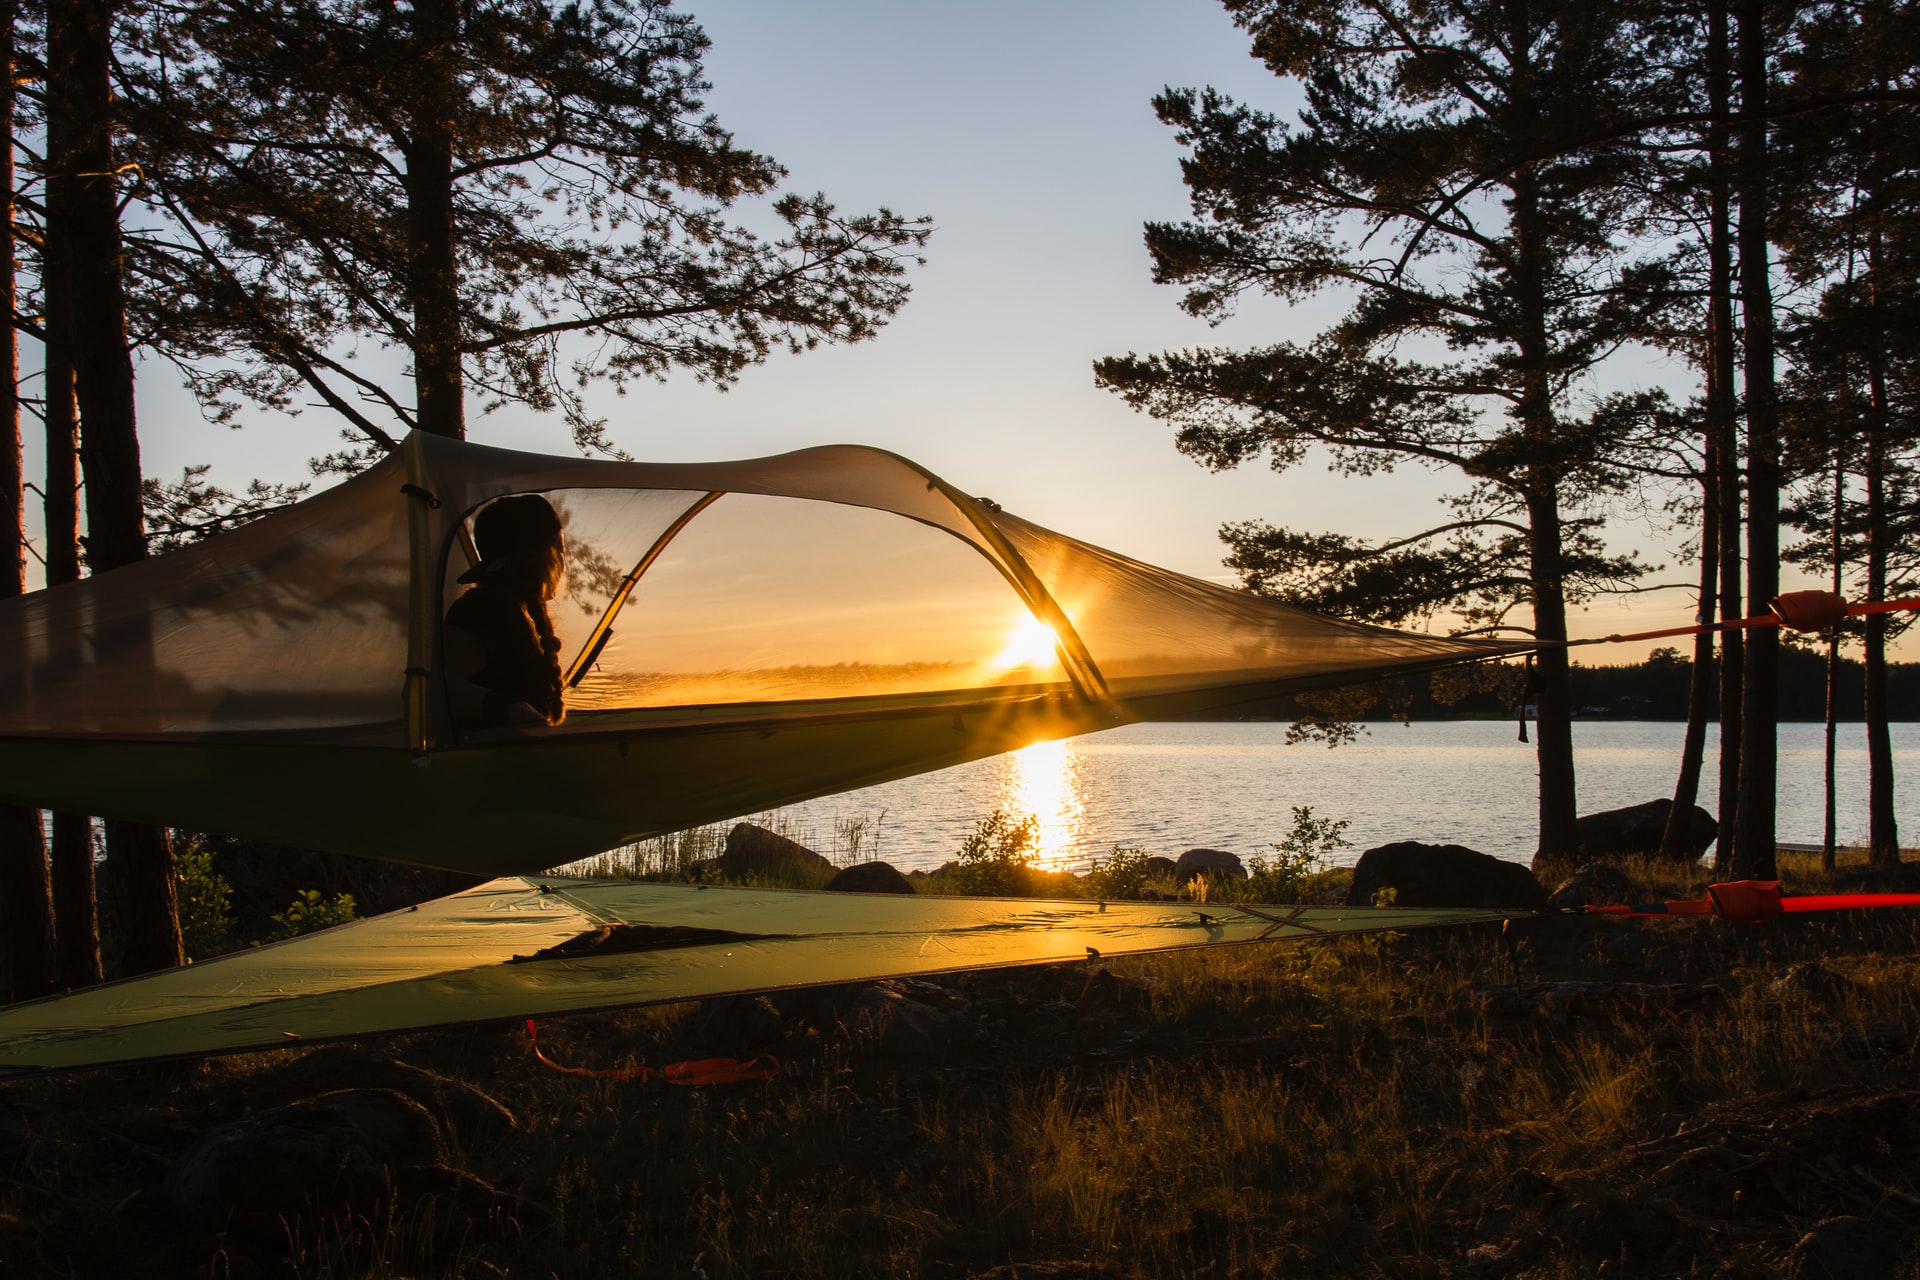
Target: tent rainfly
(514,948)
(739,635)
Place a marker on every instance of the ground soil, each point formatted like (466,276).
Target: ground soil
(1568,1096)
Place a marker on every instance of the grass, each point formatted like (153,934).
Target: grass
(1354,1108)
(858,837)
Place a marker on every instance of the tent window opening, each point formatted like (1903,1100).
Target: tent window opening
(767,599)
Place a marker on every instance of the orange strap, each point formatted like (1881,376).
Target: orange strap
(703,1071)
(1751,901)
(1796,610)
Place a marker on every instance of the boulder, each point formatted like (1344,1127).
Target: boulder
(870,877)
(1442,875)
(757,854)
(1158,866)
(1848,1248)
(1210,863)
(1633,832)
(1596,885)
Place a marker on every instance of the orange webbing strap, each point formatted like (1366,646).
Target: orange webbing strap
(704,1071)
(1795,610)
(1700,907)
(1751,901)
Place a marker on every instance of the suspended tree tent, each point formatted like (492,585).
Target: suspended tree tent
(514,948)
(740,635)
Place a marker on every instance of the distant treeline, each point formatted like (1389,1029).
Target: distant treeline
(1651,690)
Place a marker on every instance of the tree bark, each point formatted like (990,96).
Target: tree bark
(1546,560)
(433,274)
(75,902)
(1721,421)
(76,906)
(26,889)
(1883,836)
(103,369)
(1700,689)
(139,858)
(1829,834)
(1754,848)
(1553,688)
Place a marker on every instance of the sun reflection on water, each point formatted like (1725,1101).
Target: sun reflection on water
(1044,780)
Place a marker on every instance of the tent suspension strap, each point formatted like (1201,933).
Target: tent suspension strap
(1795,610)
(1752,901)
(695,1074)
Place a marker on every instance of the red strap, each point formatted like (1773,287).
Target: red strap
(704,1071)
(1692,907)
(1751,901)
(1795,610)
(1849,901)
(1746,901)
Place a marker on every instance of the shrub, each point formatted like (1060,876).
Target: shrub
(1121,874)
(1298,866)
(204,901)
(310,912)
(997,859)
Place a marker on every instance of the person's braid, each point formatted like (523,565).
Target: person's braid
(536,606)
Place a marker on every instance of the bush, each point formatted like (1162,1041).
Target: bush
(997,859)
(1298,866)
(204,902)
(309,912)
(1121,874)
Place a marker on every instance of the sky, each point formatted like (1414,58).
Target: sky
(1026,132)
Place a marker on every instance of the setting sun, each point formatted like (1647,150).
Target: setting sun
(1031,644)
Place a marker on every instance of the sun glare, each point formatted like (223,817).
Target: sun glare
(1031,644)
(1045,782)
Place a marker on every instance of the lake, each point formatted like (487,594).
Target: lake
(1171,787)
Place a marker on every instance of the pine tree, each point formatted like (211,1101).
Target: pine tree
(522,196)
(1850,180)
(26,890)
(80,125)
(1423,177)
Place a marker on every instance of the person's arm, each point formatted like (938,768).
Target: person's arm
(464,657)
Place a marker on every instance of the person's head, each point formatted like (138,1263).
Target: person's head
(519,538)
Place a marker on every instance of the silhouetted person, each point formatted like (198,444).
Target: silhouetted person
(502,658)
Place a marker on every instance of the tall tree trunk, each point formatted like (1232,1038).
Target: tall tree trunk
(1829,833)
(26,889)
(1553,688)
(1721,415)
(75,905)
(139,857)
(1754,849)
(1546,559)
(1700,689)
(433,275)
(1883,836)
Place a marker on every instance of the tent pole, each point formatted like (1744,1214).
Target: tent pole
(1079,663)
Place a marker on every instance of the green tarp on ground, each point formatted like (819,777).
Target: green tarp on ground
(454,960)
